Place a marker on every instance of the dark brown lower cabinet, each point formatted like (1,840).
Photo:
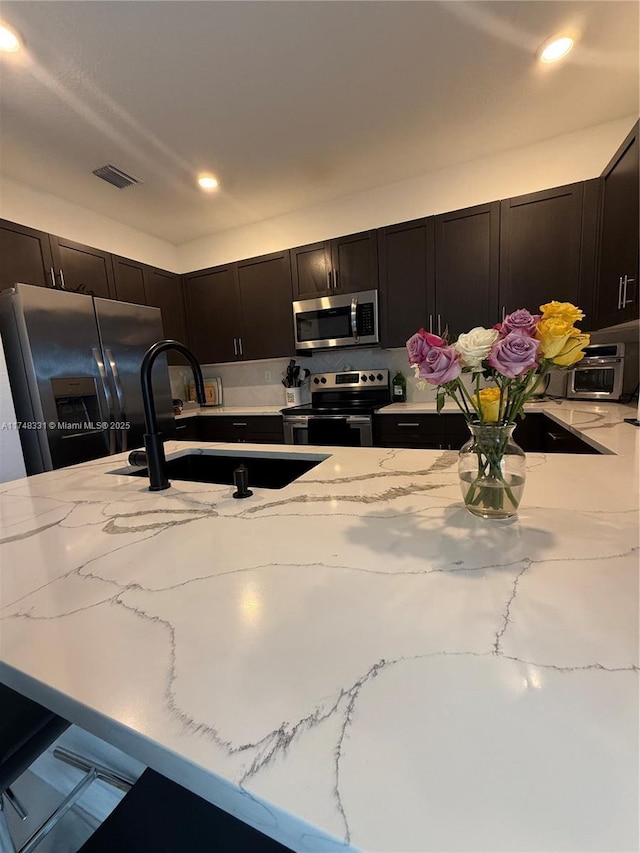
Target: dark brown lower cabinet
(535,434)
(259,429)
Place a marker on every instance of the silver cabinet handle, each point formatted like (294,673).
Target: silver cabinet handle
(626,301)
(239,424)
(240,346)
(439,326)
(354,318)
(504,312)
(431,323)
(235,347)
(111,438)
(336,279)
(113,364)
(407,425)
(620,293)
(329,280)
(62,284)
(53,277)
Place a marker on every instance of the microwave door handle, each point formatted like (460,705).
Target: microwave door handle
(116,381)
(111,438)
(354,318)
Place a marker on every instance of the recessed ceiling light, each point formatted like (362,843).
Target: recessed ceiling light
(9,41)
(556,48)
(207,182)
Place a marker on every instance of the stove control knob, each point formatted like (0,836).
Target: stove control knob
(316,381)
(324,380)
(379,377)
(363,378)
(371,377)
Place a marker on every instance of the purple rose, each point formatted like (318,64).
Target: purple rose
(514,355)
(521,322)
(442,364)
(419,345)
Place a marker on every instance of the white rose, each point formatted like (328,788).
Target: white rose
(475,346)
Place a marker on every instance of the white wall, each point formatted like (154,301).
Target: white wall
(561,160)
(11,459)
(45,212)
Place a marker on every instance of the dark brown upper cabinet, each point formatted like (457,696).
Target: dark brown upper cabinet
(25,256)
(82,269)
(343,265)
(540,245)
(467,260)
(264,286)
(129,281)
(164,290)
(406,279)
(213,308)
(242,310)
(617,281)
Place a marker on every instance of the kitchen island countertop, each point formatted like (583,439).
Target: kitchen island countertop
(353,659)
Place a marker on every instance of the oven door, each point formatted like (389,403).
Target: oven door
(329,430)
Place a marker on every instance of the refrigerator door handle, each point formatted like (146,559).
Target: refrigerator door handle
(113,364)
(111,439)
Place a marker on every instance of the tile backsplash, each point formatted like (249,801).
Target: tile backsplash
(258,383)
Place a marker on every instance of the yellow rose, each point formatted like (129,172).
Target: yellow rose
(553,334)
(488,401)
(572,351)
(563,311)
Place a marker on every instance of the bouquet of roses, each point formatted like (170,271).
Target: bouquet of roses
(515,356)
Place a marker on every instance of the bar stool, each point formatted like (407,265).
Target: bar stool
(26,731)
(161,816)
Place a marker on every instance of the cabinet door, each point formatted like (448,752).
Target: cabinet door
(540,238)
(619,242)
(163,290)
(467,247)
(25,256)
(406,280)
(265,298)
(83,269)
(214,314)
(311,270)
(129,281)
(355,262)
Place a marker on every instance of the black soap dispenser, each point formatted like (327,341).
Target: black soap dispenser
(399,388)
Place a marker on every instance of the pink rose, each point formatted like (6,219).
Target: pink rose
(419,345)
(521,322)
(442,364)
(514,355)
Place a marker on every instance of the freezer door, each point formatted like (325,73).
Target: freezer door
(54,361)
(126,333)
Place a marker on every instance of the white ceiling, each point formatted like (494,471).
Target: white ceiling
(291,103)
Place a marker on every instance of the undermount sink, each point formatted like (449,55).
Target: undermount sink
(266,470)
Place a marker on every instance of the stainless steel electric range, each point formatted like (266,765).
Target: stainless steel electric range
(341,409)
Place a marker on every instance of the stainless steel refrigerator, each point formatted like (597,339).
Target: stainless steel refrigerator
(74,367)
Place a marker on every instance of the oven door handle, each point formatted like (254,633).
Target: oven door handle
(357,419)
(297,421)
(354,318)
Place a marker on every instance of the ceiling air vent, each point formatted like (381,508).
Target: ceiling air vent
(112,175)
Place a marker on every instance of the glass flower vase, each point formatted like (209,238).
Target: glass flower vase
(492,469)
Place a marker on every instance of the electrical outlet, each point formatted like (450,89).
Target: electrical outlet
(267,376)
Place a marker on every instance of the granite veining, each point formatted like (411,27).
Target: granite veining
(353,661)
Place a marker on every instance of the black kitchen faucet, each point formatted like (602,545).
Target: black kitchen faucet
(153,441)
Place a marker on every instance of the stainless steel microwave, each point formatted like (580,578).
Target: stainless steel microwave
(600,374)
(345,320)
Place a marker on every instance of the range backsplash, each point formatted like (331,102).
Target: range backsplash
(258,383)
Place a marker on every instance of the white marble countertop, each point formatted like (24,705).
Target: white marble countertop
(353,660)
(210,411)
